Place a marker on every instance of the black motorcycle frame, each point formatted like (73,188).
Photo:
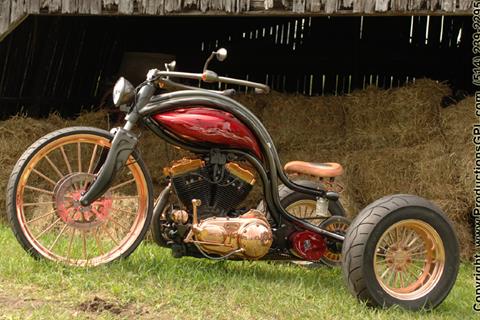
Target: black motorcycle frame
(269,168)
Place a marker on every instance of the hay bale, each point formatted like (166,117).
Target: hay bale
(457,122)
(98,119)
(378,172)
(295,120)
(399,117)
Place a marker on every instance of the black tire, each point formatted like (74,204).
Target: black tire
(24,162)
(360,251)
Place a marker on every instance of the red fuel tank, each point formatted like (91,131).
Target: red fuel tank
(207,125)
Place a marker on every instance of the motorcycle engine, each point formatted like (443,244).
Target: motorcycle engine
(219,187)
(248,236)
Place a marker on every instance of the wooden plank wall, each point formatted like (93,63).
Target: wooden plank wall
(336,55)
(65,64)
(14,11)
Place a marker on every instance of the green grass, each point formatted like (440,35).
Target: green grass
(153,285)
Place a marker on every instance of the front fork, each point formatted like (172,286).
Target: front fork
(123,144)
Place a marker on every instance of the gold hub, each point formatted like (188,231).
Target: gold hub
(409,259)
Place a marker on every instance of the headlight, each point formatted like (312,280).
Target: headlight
(123,92)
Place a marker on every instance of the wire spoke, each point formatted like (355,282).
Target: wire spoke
(92,158)
(44,177)
(79,158)
(122,184)
(389,279)
(397,234)
(414,249)
(412,241)
(110,235)
(84,245)
(419,260)
(39,190)
(395,278)
(70,244)
(124,211)
(418,268)
(382,261)
(40,217)
(58,237)
(118,224)
(54,167)
(412,272)
(99,244)
(400,278)
(390,237)
(31,204)
(409,236)
(66,159)
(48,228)
(424,252)
(385,272)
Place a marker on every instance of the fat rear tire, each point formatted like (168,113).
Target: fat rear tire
(366,231)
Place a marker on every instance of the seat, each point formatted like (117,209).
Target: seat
(323,170)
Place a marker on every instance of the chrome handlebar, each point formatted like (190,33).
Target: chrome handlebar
(208,76)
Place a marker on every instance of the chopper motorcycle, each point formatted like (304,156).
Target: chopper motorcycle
(83,196)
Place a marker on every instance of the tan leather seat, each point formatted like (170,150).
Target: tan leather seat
(324,170)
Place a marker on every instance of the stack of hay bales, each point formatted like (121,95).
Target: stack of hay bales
(457,123)
(389,141)
(19,132)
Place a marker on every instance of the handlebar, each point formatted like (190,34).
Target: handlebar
(170,83)
(207,76)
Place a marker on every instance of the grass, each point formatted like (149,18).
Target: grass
(153,285)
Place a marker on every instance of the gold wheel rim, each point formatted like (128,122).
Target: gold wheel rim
(335,227)
(91,241)
(304,209)
(409,259)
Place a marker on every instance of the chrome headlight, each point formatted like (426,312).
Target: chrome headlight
(123,92)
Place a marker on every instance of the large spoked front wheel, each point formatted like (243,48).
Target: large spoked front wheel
(43,200)
(401,250)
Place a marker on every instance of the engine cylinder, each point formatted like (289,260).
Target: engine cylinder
(193,179)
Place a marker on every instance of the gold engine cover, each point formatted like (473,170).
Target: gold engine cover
(250,232)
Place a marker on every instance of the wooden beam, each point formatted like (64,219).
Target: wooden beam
(12,12)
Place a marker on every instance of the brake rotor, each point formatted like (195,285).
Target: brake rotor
(67,194)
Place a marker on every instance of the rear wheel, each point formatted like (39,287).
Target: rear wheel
(401,250)
(43,200)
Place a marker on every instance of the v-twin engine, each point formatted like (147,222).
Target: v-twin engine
(220,185)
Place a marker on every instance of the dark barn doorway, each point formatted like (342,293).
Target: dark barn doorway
(68,63)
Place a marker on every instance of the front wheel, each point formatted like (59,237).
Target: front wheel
(401,250)
(43,200)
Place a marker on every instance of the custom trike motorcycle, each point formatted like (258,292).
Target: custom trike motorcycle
(83,196)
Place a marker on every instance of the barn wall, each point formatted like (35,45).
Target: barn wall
(66,63)
(13,12)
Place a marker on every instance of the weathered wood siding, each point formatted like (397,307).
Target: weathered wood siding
(61,63)
(13,12)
